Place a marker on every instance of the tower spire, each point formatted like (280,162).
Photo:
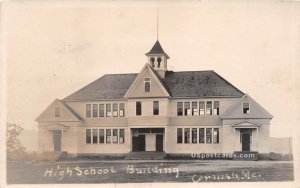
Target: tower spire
(157,23)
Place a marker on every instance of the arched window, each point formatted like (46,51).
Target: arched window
(158,62)
(147,86)
(152,62)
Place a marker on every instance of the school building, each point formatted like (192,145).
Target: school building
(155,110)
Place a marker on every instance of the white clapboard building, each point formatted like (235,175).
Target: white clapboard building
(155,110)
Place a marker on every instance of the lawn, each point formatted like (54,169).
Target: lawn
(130,171)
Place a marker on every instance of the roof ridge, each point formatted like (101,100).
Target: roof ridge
(188,83)
(121,74)
(193,71)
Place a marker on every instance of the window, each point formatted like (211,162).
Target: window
(57,111)
(179,135)
(194,135)
(179,108)
(208,135)
(88,136)
(186,135)
(152,61)
(202,108)
(246,107)
(209,108)
(138,108)
(122,109)
(95,136)
(158,62)
(216,135)
(88,110)
(115,136)
(201,135)
(101,110)
(122,136)
(108,136)
(115,109)
(216,107)
(95,110)
(155,108)
(101,136)
(187,108)
(108,110)
(147,86)
(194,108)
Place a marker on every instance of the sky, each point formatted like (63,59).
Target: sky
(53,49)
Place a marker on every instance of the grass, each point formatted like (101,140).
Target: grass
(19,172)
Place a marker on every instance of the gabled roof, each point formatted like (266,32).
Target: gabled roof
(245,123)
(67,113)
(157,49)
(199,84)
(109,86)
(256,111)
(140,78)
(191,84)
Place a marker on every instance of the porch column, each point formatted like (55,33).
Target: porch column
(62,139)
(165,140)
(257,138)
(234,139)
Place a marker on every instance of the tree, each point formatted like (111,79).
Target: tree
(13,143)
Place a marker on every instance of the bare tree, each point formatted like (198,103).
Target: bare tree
(14,146)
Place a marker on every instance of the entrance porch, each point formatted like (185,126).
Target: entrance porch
(246,139)
(147,139)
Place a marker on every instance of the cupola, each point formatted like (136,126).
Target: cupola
(157,59)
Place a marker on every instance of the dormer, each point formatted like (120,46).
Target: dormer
(157,59)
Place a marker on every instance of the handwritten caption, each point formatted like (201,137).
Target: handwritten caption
(244,174)
(62,172)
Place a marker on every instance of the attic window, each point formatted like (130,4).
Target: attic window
(246,108)
(147,85)
(57,111)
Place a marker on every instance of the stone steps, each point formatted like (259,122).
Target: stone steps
(145,155)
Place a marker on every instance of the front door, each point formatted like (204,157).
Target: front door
(150,142)
(159,142)
(138,143)
(245,142)
(57,140)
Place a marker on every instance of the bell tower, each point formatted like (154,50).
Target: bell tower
(157,59)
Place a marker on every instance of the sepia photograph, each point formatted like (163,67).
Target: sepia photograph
(150,93)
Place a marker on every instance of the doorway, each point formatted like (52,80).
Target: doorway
(57,140)
(159,142)
(147,139)
(246,139)
(138,143)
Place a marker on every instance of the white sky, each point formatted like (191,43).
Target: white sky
(52,50)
